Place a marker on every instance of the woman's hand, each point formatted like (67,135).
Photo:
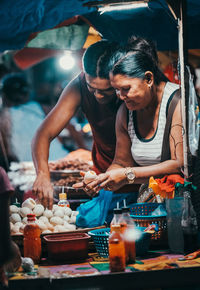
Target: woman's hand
(85,185)
(111,180)
(43,188)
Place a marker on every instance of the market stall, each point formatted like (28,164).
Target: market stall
(156,267)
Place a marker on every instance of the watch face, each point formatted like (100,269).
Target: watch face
(131,176)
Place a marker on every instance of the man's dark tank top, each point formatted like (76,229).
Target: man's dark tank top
(101,118)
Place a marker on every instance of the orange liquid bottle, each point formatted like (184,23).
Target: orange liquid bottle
(32,240)
(116,247)
(63,200)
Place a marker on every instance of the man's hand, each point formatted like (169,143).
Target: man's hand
(43,189)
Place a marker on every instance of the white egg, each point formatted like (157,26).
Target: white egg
(46,232)
(21,229)
(66,218)
(89,176)
(55,220)
(70,227)
(25,220)
(19,224)
(44,219)
(50,226)
(66,224)
(29,202)
(38,209)
(59,228)
(15,217)
(24,211)
(67,211)
(14,209)
(48,213)
(55,207)
(42,225)
(72,220)
(15,229)
(59,213)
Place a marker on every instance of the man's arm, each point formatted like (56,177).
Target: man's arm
(53,124)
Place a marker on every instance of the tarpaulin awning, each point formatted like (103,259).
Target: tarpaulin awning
(19,19)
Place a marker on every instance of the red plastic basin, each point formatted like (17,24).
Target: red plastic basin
(67,247)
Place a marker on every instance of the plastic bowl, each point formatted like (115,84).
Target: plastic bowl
(68,247)
(101,236)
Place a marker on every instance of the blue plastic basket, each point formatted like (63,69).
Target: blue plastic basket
(101,236)
(141,214)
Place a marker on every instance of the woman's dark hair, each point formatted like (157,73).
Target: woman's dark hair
(135,58)
(96,58)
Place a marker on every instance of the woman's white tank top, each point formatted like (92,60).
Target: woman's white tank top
(148,151)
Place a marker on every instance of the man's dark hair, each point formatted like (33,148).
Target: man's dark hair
(15,87)
(96,58)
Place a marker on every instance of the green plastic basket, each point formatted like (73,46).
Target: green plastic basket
(101,236)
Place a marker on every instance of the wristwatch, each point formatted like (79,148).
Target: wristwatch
(130,175)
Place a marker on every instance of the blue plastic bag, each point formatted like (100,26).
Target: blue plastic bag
(94,212)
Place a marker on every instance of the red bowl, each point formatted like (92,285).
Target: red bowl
(67,246)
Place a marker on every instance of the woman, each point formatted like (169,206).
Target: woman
(141,119)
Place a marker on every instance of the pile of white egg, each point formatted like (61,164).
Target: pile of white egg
(59,219)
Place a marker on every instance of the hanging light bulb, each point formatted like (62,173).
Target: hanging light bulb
(67,61)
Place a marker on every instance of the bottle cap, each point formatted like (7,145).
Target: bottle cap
(125,209)
(62,195)
(117,210)
(31,217)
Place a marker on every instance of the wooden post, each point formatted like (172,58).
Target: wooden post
(183,58)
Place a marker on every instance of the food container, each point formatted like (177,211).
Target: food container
(66,246)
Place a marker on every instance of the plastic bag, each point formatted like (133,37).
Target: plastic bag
(193,117)
(99,210)
(94,212)
(159,211)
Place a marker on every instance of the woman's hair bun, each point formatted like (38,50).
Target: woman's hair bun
(145,46)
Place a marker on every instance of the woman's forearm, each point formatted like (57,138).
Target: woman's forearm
(157,170)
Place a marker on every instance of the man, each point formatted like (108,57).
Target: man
(91,90)
(20,117)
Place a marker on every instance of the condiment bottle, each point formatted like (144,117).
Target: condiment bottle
(17,203)
(32,240)
(63,200)
(128,231)
(116,217)
(116,250)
